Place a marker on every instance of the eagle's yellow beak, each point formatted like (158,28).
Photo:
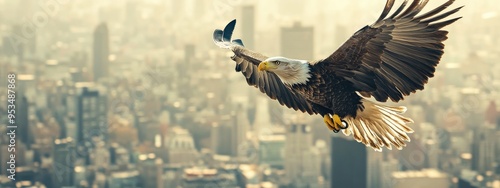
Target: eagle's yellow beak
(266,66)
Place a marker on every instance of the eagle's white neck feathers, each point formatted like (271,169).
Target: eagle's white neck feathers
(294,72)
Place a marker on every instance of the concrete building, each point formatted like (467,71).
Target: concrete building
(302,159)
(272,150)
(101,52)
(422,178)
(248,26)
(123,179)
(207,177)
(64,162)
(297,42)
(151,170)
(180,146)
(349,163)
(91,117)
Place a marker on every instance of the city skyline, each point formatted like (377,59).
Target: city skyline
(135,94)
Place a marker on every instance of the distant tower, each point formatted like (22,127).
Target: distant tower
(262,117)
(180,144)
(23,121)
(241,127)
(349,163)
(222,139)
(189,59)
(150,170)
(101,52)
(64,163)
(91,116)
(19,50)
(302,160)
(483,149)
(24,86)
(297,42)
(248,27)
(374,169)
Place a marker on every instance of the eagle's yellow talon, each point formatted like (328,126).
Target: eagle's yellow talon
(329,122)
(337,122)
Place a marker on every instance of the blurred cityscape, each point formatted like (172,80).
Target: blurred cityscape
(134,93)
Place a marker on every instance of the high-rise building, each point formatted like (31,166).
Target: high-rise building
(302,160)
(491,113)
(64,162)
(101,52)
(207,177)
(123,179)
(91,117)
(248,27)
(24,87)
(374,169)
(297,42)
(349,163)
(272,150)
(387,168)
(151,170)
(241,127)
(229,136)
(222,139)
(483,149)
(422,178)
(263,116)
(23,121)
(180,144)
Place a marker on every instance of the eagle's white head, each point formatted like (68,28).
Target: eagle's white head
(290,71)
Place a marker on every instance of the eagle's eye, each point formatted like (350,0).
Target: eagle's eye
(277,62)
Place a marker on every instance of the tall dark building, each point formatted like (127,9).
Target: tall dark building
(24,83)
(349,163)
(91,117)
(64,163)
(297,42)
(248,27)
(483,149)
(23,121)
(223,139)
(101,52)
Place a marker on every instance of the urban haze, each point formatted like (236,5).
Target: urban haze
(112,94)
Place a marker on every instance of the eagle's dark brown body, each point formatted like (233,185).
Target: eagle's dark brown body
(329,94)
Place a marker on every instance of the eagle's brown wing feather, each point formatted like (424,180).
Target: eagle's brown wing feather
(396,55)
(267,82)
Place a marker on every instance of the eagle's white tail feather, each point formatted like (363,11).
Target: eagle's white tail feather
(379,125)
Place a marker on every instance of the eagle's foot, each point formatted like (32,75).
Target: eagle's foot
(335,124)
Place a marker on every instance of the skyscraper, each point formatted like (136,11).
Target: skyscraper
(101,52)
(349,163)
(25,83)
(91,116)
(64,162)
(483,149)
(421,178)
(23,121)
(222,139)
(271,150)
(241,126)
(374,169)
(248,27)
(302,161)
(150,170)
(180,144)
(297,42)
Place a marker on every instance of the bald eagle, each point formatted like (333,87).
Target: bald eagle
(390,59)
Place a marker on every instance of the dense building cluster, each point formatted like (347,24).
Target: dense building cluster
(134,94)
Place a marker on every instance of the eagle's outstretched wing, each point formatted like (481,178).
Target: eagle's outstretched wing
(268,83)
(396,55)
